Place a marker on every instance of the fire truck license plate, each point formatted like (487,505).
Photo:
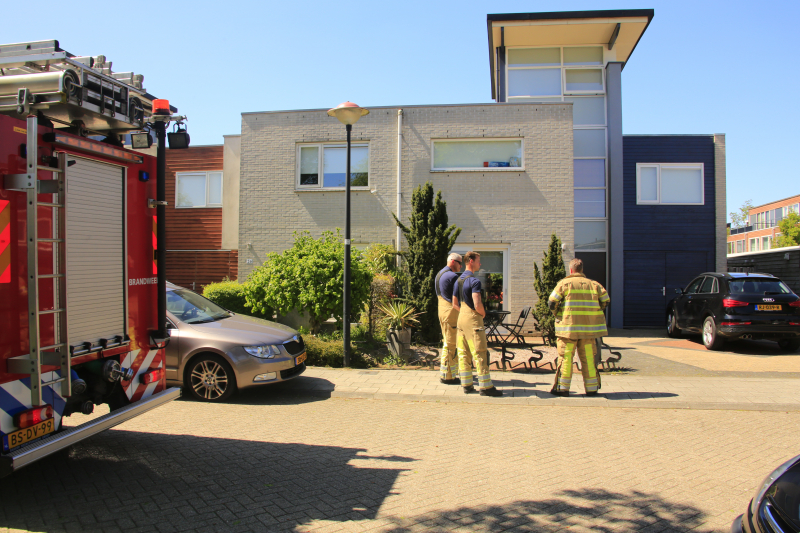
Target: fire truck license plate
(299,359)
(768,308)
(20,437)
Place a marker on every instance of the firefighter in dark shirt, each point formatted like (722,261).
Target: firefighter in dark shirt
(471,339)
(448,318)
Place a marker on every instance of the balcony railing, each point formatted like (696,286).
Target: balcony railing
(737,231)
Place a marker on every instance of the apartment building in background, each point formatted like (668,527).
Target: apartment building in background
(547,156)
(761,227)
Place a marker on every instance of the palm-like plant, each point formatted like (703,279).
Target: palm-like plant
(398,315)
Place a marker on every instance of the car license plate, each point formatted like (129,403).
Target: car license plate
(299,359)
(768,308)
(22,436)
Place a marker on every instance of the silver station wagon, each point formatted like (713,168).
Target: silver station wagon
(212,352)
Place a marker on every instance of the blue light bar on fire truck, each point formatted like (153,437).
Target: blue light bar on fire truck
(87,145)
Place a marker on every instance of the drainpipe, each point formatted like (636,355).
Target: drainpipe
(399,178)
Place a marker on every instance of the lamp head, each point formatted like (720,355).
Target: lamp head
(348,113)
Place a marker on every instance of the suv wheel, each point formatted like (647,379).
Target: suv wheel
(711,340)
(672,325)
(210,378)
(789,345)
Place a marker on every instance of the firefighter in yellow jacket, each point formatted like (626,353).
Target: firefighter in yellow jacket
(578,304)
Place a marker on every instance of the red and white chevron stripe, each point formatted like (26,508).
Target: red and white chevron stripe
(142,361)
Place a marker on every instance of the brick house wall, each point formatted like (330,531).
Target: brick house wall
(195,256)
(520,209)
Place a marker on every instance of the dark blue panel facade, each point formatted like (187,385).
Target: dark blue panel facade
(665,245)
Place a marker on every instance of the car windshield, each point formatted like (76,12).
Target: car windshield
(758,286)
(191,308)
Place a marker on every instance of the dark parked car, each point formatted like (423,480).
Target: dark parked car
(775,508)
(736,306)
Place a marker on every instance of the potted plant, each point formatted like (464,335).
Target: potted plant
(398,317)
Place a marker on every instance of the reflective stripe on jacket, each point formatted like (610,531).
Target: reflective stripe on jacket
(578,304)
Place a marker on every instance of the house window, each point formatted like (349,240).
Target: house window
(730,247)
(548,72)
(324,166)
(766,243)
(676,184)
(198,189)
(477,154)
(754,245)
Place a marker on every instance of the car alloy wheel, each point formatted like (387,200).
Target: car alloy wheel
(210,378)
(672,325)
(711,340)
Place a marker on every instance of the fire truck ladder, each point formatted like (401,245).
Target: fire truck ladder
(57,354)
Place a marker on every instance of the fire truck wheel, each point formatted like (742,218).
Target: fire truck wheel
(209,378)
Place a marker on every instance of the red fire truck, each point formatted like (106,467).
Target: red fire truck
(82,305)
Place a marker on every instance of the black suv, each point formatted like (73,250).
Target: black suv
(736,306)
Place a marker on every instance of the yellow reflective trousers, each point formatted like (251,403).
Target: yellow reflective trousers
(448,321)
(587,353)
(472,345)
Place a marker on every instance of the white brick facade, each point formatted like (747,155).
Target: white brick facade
(518,208)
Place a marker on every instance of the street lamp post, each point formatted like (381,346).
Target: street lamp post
(348,114)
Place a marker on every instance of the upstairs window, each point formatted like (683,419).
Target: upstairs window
(676,184)
(324,166)
(477,154)
(198,189)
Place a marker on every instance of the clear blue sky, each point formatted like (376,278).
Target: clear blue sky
(701,67)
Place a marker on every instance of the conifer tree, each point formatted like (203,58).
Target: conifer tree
(544,282)
(430,239)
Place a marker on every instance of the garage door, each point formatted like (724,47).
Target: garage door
(95,251)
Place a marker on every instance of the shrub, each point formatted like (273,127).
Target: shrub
(381,290)
(231,296)
(430,238)
(308,278)
(324,352)
(544,282)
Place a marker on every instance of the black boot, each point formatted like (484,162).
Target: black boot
(453,381)
(491,392)
(469,390)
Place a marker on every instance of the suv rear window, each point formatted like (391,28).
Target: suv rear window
(758,286)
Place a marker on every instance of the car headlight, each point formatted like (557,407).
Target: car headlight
(267,351)
(767,483)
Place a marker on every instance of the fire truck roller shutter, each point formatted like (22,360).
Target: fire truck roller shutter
(95,251)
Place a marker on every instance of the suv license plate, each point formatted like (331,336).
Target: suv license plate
(22,436)
(299,359)
(768,308)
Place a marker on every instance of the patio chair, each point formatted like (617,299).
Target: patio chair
(513,332)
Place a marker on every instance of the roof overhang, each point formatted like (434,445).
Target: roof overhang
(619,29)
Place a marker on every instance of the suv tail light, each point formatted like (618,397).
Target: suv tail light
(727,302)
(31,417)
(795,303)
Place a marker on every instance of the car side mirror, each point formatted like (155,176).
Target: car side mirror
(678,291)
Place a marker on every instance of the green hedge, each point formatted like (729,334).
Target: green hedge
(230,295)
(321,352)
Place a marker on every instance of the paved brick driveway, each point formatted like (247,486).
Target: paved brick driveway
(268,462)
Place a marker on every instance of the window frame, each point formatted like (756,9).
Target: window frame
(320,186)
(563,66)
(659,166)
(520,168)
(178,176)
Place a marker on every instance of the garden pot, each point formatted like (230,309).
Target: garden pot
(399,341)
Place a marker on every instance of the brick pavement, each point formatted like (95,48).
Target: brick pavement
(272,462)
